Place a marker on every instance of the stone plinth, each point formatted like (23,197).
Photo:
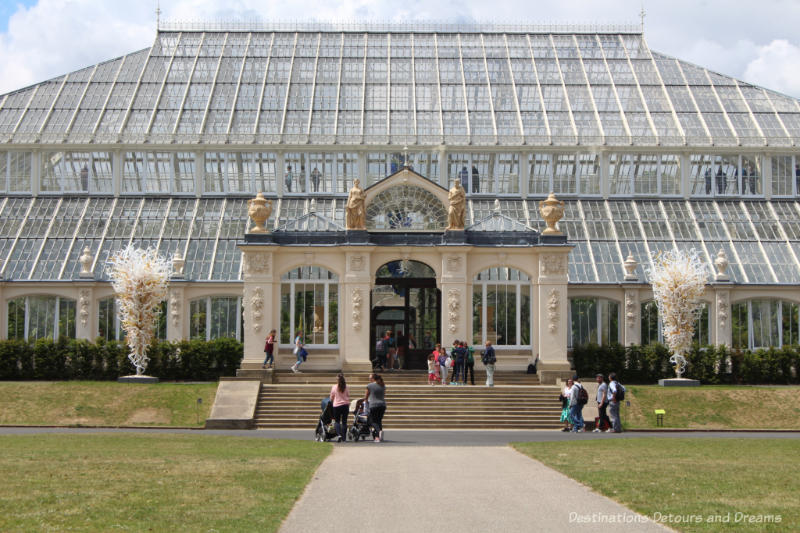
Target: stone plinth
(235,405)
(137,379)
(679,382)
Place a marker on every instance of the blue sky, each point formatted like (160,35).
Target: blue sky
(758,42)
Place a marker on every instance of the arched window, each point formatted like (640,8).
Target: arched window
(764,323)
(109,327)
(407,208)
(652,330)
(501,307)
(593,320)
(39,317)
(215,317)
(310,302)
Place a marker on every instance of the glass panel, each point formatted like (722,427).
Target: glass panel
(107,323)
(609,316)
(16,318)
(590,173)
(789,329)
(783,170)
(765,323)
(224,313)
(620,173)
(740,326)
(525,315)
(197,319)
(405,269)
(66,318)
(333,314)
(583,318)
(501,314)
(564,181)
(650,329)
(477,314)
(539,181)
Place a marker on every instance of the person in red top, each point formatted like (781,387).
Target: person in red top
(269,350)
(340,397)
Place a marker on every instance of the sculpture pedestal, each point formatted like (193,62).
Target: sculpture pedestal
(133,378)
(679,382)
(454,236)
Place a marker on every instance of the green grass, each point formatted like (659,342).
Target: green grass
(701,476)
(104,403)
(151,482)
(713,407)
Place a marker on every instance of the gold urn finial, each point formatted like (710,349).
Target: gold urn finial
(259,209)
(552,210)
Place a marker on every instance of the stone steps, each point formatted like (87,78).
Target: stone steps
(297,406)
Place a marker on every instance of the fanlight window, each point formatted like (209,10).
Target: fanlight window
(406,208)
(405,269)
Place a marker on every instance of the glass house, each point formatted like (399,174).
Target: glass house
(164,146)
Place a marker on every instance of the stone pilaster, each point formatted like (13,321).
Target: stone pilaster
(632,329)
(552,314)
(258,297)
(456,300)
(176,313)
(86,314)
(722,317)
(355,312)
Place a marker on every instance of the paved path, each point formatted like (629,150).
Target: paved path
(372,487)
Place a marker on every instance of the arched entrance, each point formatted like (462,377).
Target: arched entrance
(405,300)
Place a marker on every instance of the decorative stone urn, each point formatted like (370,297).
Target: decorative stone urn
(721,262)
(630,265)
(259,209)
(552,211)
(86,263)
(178,264)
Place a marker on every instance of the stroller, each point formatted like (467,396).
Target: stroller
(325,430)
(360,428)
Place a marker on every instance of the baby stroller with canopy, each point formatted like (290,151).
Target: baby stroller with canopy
(360,428)
(325,429)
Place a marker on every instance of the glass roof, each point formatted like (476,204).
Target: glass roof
(479,86)
(41,239)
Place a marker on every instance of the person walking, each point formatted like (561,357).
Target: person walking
(616,393)
(269,350)
(391,350)
(489,359)
(376,397)
(299,352)
(575,405)
(380,352)
(602,404)
(288,178)
(402,349)
(340,396)
(470,366)
(564,397)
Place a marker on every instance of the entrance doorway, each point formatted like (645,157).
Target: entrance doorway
(406,302)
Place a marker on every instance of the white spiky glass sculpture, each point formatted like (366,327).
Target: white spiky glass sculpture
(139,278)
(679,281)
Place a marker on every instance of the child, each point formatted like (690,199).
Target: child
(432,373)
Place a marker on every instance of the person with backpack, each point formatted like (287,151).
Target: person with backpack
(616,393)
(460,359)
(489,359)
(469,368)
(578,397)
(602,404)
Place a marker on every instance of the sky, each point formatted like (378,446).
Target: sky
(756,41)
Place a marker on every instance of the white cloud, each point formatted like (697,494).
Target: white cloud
(776,67)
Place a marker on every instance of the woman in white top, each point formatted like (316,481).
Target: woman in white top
(564,397)
(299,351)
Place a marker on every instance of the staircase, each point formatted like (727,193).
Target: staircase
(516,402)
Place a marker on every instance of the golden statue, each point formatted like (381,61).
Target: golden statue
(355,209)
(457,209)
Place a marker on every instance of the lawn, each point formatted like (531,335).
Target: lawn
(688,477)
(149,482)
(104,403)
(713,407)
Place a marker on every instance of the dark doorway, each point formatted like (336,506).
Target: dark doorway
(406,299)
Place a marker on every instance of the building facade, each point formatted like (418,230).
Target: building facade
(164,147)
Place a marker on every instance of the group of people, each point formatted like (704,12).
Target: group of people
(459,364)
(393,349)
(374,403)
(299,351)
(288,178)
(609,395)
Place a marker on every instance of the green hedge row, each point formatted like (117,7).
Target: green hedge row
(710,364)
(107,360)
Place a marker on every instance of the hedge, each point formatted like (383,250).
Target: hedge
(81,359)
(710,364)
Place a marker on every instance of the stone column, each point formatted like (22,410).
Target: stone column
(355,313)
(86,315)
(721,318)
(633,320)
(456,300)
(176,313)
(257,302)
(552,314)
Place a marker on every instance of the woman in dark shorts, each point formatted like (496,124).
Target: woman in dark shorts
(376,396)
